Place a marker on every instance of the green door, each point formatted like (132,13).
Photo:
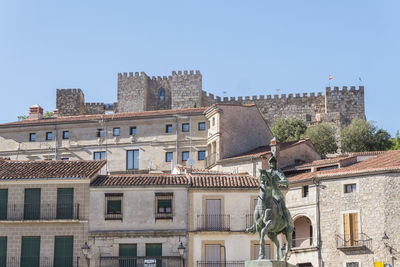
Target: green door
(127,250)
(65,203)
(3,251)
(154,250)
(3,203)
(32,204)
(63,251)
(30,251)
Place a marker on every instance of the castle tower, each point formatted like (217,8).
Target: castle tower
(70,102)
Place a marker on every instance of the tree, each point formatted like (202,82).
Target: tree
(289,129)
(322,137)
(361,135)
(396,142)
(48,114)
(22,117)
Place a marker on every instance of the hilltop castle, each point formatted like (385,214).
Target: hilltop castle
(139,92)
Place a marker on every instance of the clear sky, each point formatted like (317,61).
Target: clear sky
(241,47)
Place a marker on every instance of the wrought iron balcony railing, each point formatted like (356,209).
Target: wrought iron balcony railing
(39,261)
(360,241)
(137,261)
(302,242)
(220,263)
(40,212)
(213,222)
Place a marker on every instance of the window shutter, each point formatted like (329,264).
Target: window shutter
(30,251)
(63,251)
(3,203)
(32,204)
(3,251)
(126,250)
(346,226)
(354,228)
(65,203)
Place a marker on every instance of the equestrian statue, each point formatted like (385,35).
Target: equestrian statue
(271,217)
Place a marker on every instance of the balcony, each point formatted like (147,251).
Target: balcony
(137,261)
(220,263)
(213,222)
(362,242)
(23,212)
(211,159)
(40,261)
(302,242)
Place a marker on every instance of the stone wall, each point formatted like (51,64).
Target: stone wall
(132,92)
(70,101)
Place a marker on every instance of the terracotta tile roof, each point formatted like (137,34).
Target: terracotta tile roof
(141,179)
(385,162)
(115,116)
(10,169)
(186,169)
(224,181)
(321,162)
(190,180)
(264,150)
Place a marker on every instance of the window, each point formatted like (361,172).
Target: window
(49,136)
(99,155)
(113,206)
(168,128)
(256,250)
(132,158)
(32,204)
(32,137)
(127,250)
(202,126)
(30,251)
(169,156)
(185,155)
(213,121)
(161,94)
(3,250)
(116,131)
(352,264)
(65,135)
(63,251)
(305,191)
(65,203)
(164,205)
(212,253)
(349,188)
(154,250)
(100,133)
(185,127)
(132,130)
(3,204)
(350,226)
(201,155)
(64,158)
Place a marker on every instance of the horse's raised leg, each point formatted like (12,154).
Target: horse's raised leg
(289,235)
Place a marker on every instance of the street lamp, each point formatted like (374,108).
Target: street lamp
(85,250)
(181,250)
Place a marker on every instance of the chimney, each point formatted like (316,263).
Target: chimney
(56,113)
(276,147)
(35,112)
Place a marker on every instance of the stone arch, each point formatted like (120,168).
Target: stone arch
(303,233)
(161,94)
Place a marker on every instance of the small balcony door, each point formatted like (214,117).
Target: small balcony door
(350,223)
(30,251)
(65,203)
(213,212)
(212,256)
(63,251)
(32,204)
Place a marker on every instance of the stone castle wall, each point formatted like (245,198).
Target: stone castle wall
(139,92)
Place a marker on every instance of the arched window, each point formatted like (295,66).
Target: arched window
(161,94)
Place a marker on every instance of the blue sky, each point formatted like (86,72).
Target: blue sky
(241,47)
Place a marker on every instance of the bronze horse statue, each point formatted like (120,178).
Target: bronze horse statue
(271,217)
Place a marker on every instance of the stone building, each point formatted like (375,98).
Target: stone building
(44,211)
(139,92)
(348,211)
(138,141)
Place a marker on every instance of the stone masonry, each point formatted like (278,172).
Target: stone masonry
(139,92)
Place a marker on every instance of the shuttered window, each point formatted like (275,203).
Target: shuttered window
(127,250)
(212,254)
(164,202)
(113,206)
(63,251)
(350,223)
(3,251)
(65,203)
(213,216)
(30,251)
(3,204)
(154,250)
(32,204)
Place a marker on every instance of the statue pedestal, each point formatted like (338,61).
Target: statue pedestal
(267,263)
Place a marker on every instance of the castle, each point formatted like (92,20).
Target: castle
(139,92)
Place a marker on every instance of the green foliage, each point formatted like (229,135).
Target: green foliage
(323,138)
(396,142)
(22,117)
(48,114)
(289,129)
(361,135)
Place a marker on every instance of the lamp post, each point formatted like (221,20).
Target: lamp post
(181,250)
(85,250)
(385,238)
